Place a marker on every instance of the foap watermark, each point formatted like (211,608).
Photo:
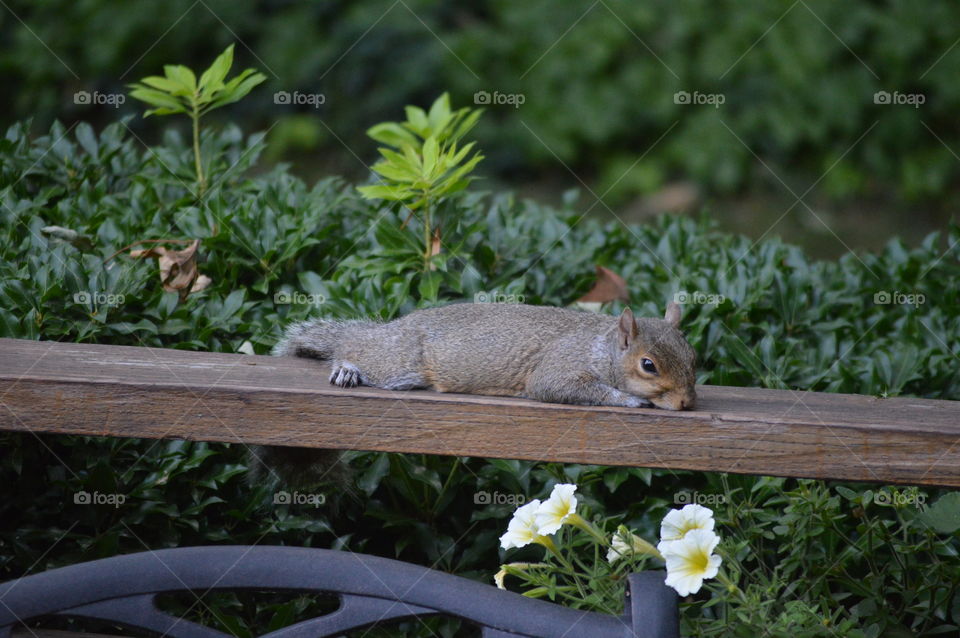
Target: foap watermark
(498,498)
(299,498)
(495,296)
(698,498)
(897,498)
(99,498)
(299,99)
(699,99)
(497,98)
(99,99)
(298,298)
(886,298)
(899,99)
(100,299)
(697,298)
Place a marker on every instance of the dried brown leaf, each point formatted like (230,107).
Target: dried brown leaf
(178,268)
(202,282)
(609,287)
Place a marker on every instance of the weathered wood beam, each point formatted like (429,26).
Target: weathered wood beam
(98,390)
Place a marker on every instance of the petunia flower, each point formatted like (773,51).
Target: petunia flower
(619,548)
(561,506)
(522,529)
(499,577)
(677,523)
(624,543)
(690,561)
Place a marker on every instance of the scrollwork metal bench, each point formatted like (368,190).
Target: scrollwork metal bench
(123,590)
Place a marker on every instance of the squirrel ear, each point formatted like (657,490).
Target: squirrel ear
(626,328)
(672,316)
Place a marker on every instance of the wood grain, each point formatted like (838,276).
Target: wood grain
(100,390)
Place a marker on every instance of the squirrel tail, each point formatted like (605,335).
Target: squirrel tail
(316,339)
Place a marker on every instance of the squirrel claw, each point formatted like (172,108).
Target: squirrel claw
(345,375)
(639,402)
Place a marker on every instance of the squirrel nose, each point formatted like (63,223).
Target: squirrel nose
(688,402)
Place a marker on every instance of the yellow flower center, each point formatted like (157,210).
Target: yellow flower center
(700,560)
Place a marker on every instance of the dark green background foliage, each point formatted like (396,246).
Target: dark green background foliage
(798,81)
(786,321)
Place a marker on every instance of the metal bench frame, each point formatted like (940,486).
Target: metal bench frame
(123,590)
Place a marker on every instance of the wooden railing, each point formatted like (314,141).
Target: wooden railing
(121,391)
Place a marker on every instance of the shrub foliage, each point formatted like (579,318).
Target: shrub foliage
(810,554)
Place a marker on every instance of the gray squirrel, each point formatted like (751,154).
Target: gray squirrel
(555,355)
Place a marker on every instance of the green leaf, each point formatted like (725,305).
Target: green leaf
(394,172)
(87,139)
(370,479)
(457,156)
(466,125)
(212,78)
(232,304)
(166,85)
(614,478)
(399,160)
(390,236)
(392,134)
(431,151)
(417,121)
(236,89)
(439,115)
(413,158)
(181,75)
(392,193)
(157,98)
(944,515)
(163,111)
(466,168)
(848,494)
(429,286)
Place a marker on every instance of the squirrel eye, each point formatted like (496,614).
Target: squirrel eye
(648,366)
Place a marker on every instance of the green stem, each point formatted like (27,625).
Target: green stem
(446,484)
(540,592)
(198,165)
(642,546)
(730,585)
(427,238)
(578,521)
(547,542)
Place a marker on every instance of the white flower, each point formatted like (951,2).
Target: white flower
(522,528)
(625,543)
(498,578)
(677,523)
(619,548)
(690,561)
(555,510)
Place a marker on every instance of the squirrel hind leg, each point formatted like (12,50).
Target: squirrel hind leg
(346,375)
(406,381)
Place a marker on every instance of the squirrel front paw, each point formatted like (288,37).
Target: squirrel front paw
(637,402)
(624,400)
(345,375)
